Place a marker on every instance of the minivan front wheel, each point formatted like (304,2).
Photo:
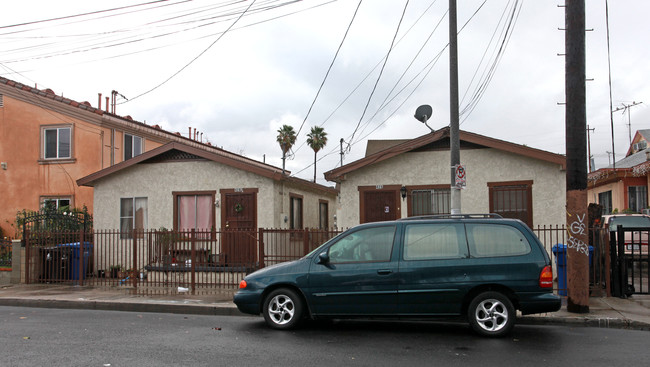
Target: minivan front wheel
(491,314)
(282,309)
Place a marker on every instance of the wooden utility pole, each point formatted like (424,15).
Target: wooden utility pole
(577,249)
(454,118)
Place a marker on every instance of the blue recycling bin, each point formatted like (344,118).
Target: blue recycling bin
(76,258)
(559,251)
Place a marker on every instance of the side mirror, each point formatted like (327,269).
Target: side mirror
(323,258)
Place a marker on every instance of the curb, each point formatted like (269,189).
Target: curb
(227,309)
(599,322)
(208,310)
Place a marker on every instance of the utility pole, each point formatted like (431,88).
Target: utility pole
(589,130)
(577,250)
(626,108)
(454,132)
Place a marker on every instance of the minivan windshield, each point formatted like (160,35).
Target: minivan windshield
(628,221)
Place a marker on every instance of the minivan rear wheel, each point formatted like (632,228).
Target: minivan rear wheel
(491,314)
(282,309)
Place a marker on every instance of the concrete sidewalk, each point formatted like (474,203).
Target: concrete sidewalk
(630,313)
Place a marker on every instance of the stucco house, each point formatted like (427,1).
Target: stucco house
(624,185)
(398,179)
(48,141)
(180,187)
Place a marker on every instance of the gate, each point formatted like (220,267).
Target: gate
(630,260)
(58,246)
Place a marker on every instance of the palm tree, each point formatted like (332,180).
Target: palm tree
(316,139)
(286,139)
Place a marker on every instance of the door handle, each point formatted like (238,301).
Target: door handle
(384,271)
(227,225)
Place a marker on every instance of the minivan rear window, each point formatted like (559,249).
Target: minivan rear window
(434,241)
(494,240)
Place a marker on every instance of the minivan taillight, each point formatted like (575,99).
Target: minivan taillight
(546,277)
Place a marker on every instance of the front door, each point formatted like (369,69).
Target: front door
(238,221)
(379,206)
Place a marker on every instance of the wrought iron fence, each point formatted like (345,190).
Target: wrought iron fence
(5,253)
(164,259)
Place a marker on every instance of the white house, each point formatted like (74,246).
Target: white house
(405,178)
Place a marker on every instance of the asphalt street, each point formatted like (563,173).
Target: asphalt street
(69,337)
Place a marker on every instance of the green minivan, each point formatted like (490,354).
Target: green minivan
(482,267)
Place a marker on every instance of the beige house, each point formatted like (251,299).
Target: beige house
(181,187)
(406,178)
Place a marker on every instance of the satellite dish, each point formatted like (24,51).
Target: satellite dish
(423,113)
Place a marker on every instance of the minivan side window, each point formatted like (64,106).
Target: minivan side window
(494,240)
(367,245)
(434,241)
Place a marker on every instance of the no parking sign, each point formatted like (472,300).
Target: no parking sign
(460,176)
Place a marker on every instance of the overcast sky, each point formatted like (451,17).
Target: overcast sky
(238,79)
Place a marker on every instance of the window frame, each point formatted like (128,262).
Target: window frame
(132,139)
(44,143)
(640,192)
(525,186)
(293,198)
(605,196)
(446,189)
(177,217)
(127,233)
(323,218)
(57,199)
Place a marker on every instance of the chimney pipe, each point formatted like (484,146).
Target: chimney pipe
(194,134)
(107,103)
(190,133)
(99,101)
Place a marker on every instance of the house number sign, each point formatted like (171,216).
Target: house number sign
(379,187)
(239,190)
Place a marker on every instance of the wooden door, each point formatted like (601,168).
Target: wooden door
(380,206)
(239,225)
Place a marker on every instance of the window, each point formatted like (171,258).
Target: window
(367,245)
(605,201)
(430,201)
(57,143)
(323,214)
(195,211)
(55,203)
(494,240)
(132,146)
(296,212)
(133,215)
(435,241)
(512,200)
(637,198)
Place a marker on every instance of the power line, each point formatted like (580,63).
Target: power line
(194,59)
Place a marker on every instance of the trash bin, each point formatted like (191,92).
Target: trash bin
(55,264)
(559,251)
(76,258)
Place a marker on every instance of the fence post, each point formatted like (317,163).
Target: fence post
(261,247)
(193,260)
(27,253)
(82,258)
(305,242)
(135,258)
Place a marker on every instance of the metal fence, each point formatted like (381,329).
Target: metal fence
(160,259)
(5,253)
(555,239)
(165,259)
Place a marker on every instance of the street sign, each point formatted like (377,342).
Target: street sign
(460,176)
